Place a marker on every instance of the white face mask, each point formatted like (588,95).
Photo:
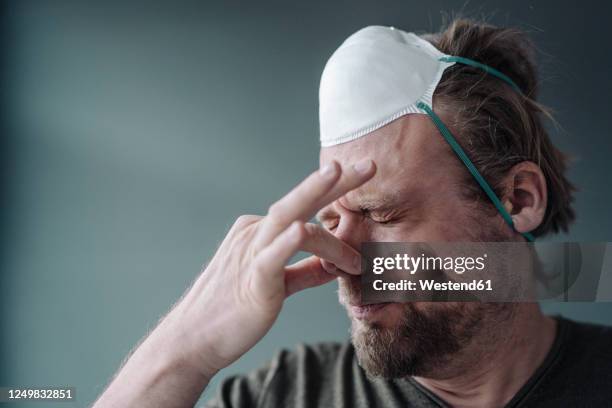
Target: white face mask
(380,74)
(377,75)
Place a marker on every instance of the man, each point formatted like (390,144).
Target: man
(392,177)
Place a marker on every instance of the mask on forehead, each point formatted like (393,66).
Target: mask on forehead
(380,74)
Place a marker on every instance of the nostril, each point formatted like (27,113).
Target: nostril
(329,267)
(333,269)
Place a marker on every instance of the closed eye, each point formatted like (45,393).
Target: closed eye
(379,220)
(383,222)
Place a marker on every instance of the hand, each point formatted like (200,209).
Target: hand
(235,301)
(237,298)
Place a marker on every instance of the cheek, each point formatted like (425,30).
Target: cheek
(389,234)
(430,230)
(393,316)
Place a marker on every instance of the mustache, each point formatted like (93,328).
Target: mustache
(350,290)
(349,286)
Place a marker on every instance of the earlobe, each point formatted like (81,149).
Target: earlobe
(527,196)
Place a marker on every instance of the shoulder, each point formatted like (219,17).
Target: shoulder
(316,355)
(587,351)
(587,341)
(589,329)
(581,368)
(306,369)
(312,368)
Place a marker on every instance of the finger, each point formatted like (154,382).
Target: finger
(303,202)
(296,205)
(325,245)
(243,222)
(268,266)
(305,274)
(352,177)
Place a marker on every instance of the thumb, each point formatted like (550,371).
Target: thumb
(305,274)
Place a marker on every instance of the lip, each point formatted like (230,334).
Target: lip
(365,312)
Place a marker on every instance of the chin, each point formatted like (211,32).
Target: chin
(394,340)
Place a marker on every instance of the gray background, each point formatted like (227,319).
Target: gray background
(136,132)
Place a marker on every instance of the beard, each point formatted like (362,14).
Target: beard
(428,339)
(436,340)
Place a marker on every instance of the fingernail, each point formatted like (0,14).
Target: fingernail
(363,166)
(328,171)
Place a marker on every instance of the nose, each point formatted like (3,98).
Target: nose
(351,228)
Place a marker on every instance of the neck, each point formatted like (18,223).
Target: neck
(504,367)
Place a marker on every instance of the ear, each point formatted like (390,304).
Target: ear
(526,196)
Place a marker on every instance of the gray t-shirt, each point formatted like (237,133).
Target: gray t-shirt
(577,372)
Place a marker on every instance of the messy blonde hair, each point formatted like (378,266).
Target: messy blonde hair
(497,126)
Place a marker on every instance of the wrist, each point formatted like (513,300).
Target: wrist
(180,347)
(158,372)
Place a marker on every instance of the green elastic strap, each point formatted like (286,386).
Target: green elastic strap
(485,68)
(450,139)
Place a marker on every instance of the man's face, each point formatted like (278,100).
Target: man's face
(414,196)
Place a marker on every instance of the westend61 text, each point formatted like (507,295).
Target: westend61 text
(432,285)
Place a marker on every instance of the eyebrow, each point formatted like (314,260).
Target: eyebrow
(365,204)
(378,203)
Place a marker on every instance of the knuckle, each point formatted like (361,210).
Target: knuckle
(314,232)
(276,216)
(245,220)
(275,209)
(301,234)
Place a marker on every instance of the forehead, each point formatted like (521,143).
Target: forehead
(410,156)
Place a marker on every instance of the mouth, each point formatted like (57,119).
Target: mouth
(365,312)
